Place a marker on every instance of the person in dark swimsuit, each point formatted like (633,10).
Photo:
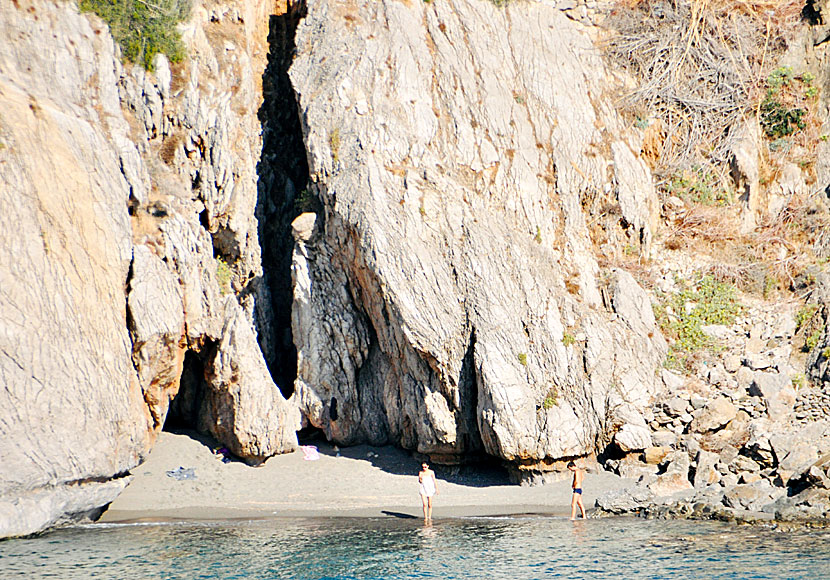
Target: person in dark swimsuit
(576,485)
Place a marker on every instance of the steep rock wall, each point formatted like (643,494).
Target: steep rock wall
(73,419)
(129,254)
(447,299)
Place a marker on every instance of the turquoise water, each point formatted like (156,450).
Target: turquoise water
(391,548)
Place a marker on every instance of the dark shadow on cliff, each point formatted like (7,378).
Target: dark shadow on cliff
(184,409)
(281,194)
(486,472)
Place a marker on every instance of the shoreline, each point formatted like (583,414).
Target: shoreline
(359,481)
(203,514)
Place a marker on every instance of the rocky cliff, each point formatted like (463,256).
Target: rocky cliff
(130,259)
(447,298)
(426,224)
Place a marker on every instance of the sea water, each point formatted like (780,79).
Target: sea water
(514,548)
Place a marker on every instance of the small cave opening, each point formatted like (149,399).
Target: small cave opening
(283,181)
(186,406)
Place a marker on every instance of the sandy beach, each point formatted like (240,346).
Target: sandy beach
(358,481)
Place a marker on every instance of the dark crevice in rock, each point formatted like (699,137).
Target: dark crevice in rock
(283,181)
(185,408)
(812,14)
(468,391)
(225,245)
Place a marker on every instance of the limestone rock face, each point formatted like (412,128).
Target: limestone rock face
(244,408)
(156,321)
(129,254)
(72,418)
(450,300)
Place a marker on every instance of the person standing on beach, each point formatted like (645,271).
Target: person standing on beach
(427,488)
(576,485)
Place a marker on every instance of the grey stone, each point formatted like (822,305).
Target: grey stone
(655,455)
(672,380)
(777,393)
(746,164)
(625,500)
(717,413)
(728,480)
(697,401)
(676,406)
(632,437)
(743,463)
(748,477)
(732,363)
(705,472)
(303,226)
(664,438)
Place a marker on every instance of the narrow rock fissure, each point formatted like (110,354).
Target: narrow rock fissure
(468,385)
(282,195)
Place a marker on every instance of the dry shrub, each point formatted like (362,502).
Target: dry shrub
(702,67)
(783,248)
(704,222)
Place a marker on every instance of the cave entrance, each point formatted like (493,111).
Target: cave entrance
(186,406)
(282,193)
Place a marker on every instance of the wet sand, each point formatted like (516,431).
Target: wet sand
(358,481)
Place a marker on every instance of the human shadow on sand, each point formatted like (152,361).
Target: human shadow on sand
(400,515)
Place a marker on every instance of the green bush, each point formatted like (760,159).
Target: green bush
(143,28)
(812,340)
(708,302)
(698,185)
(523,359)
(778,120)
(223,276)
(805,314)
(304,202)
(568,339)
(552,398)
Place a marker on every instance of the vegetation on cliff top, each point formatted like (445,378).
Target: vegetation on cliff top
(143,28)
(704,72)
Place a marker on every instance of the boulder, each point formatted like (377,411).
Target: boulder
(621,501)
(705,472)
(717,413)
(746,163)
(732,363)
(675,479)
(302,228)
(777,393)
(748,477)
(156,323)
(655,455)
(245,410)
(664,438)
(742,463)
(676,406)
(752,496)
(632,437)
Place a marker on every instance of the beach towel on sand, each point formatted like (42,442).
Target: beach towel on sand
(310,452)
(181,473)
